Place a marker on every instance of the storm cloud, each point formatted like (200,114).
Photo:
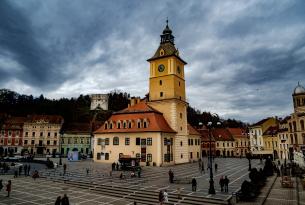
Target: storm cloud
(244,57)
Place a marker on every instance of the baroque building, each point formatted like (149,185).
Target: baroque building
(153,129)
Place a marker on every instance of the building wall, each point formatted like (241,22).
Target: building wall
(225,148)
(79,141)
(41,138)
(296,131)
(242,146)
(157,149)
(194,149)
(11,139)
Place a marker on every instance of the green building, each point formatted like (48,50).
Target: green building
(76,137)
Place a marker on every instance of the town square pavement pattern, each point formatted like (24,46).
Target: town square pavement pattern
(45,190)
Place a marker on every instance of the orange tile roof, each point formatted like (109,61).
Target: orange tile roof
(77,128)
(222,134)
(56,119)
(238,132)
(14,123)
(192,130)
(155,120)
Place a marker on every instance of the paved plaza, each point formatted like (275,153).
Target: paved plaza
(99,188)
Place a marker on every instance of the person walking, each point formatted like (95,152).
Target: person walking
(165,195)
(1,185)
(20,170)
(216,166)
(221,183)
(65,169)
(65,200)
(113,166)
(161,197)
(199,164)
(202,168)
(194,184)
(171,176)
(29,169)
(58,201)
(226,183)
(25,170)
(9,188)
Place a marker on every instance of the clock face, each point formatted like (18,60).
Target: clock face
(161,68)
(178,69)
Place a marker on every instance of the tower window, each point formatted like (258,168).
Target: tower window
(160,82)
(179,84)
(161,94)
(181,115)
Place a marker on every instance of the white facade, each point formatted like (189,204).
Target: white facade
(256,139)
(99,101)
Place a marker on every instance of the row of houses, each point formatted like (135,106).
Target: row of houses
(280,137)
(44,134)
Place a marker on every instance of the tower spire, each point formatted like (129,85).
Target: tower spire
(166,35)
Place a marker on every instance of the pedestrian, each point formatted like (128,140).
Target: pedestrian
(20,170)
(65,200)
(216,166)
(139,172)
(117,166)
(171,176)
(161,197)
(58,201)
(226,183)
(113,166)
(87,171)
(194,184)
(221,183)
(15,174)
(179,193)
(165,195)
(199,164)
(202,168)
(65,168)
(1,185)
(25,170)
(29,169)
(9,188)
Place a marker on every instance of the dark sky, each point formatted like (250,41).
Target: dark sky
(244,57)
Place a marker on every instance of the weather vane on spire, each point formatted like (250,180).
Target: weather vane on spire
(167,21)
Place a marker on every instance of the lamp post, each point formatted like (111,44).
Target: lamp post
(60,146)
(211,188)
(249,157)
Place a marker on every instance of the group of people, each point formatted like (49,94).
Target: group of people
(115,166)
(62,200)
(26,170)
(8,187)
(224,184)
(163,196)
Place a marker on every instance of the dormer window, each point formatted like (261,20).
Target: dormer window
(124,125)
(139,124)
(129,124)
(106,126)
(145,124)
(110,127)
(119,125)
(161,52)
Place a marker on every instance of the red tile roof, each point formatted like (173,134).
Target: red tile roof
(14,123)
(54,119)
(77,128)
(205,135)
(238,132)
(192,130)
(222,134)
(271,129)
(155,120)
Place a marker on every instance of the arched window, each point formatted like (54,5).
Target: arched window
(119,125)
(106,126)
(290,127)
(294,126)
(110,127)
(124,125)
(160,82)
(302,124)
(139,124)
(116,141)
(129,124)
(145,124)
(296,139)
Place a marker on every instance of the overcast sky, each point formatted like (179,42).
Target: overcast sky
(244,57)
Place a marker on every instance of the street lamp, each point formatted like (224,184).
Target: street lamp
(211,188)
(249,157)
(60,146)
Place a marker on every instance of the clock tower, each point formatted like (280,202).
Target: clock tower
(167,90)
